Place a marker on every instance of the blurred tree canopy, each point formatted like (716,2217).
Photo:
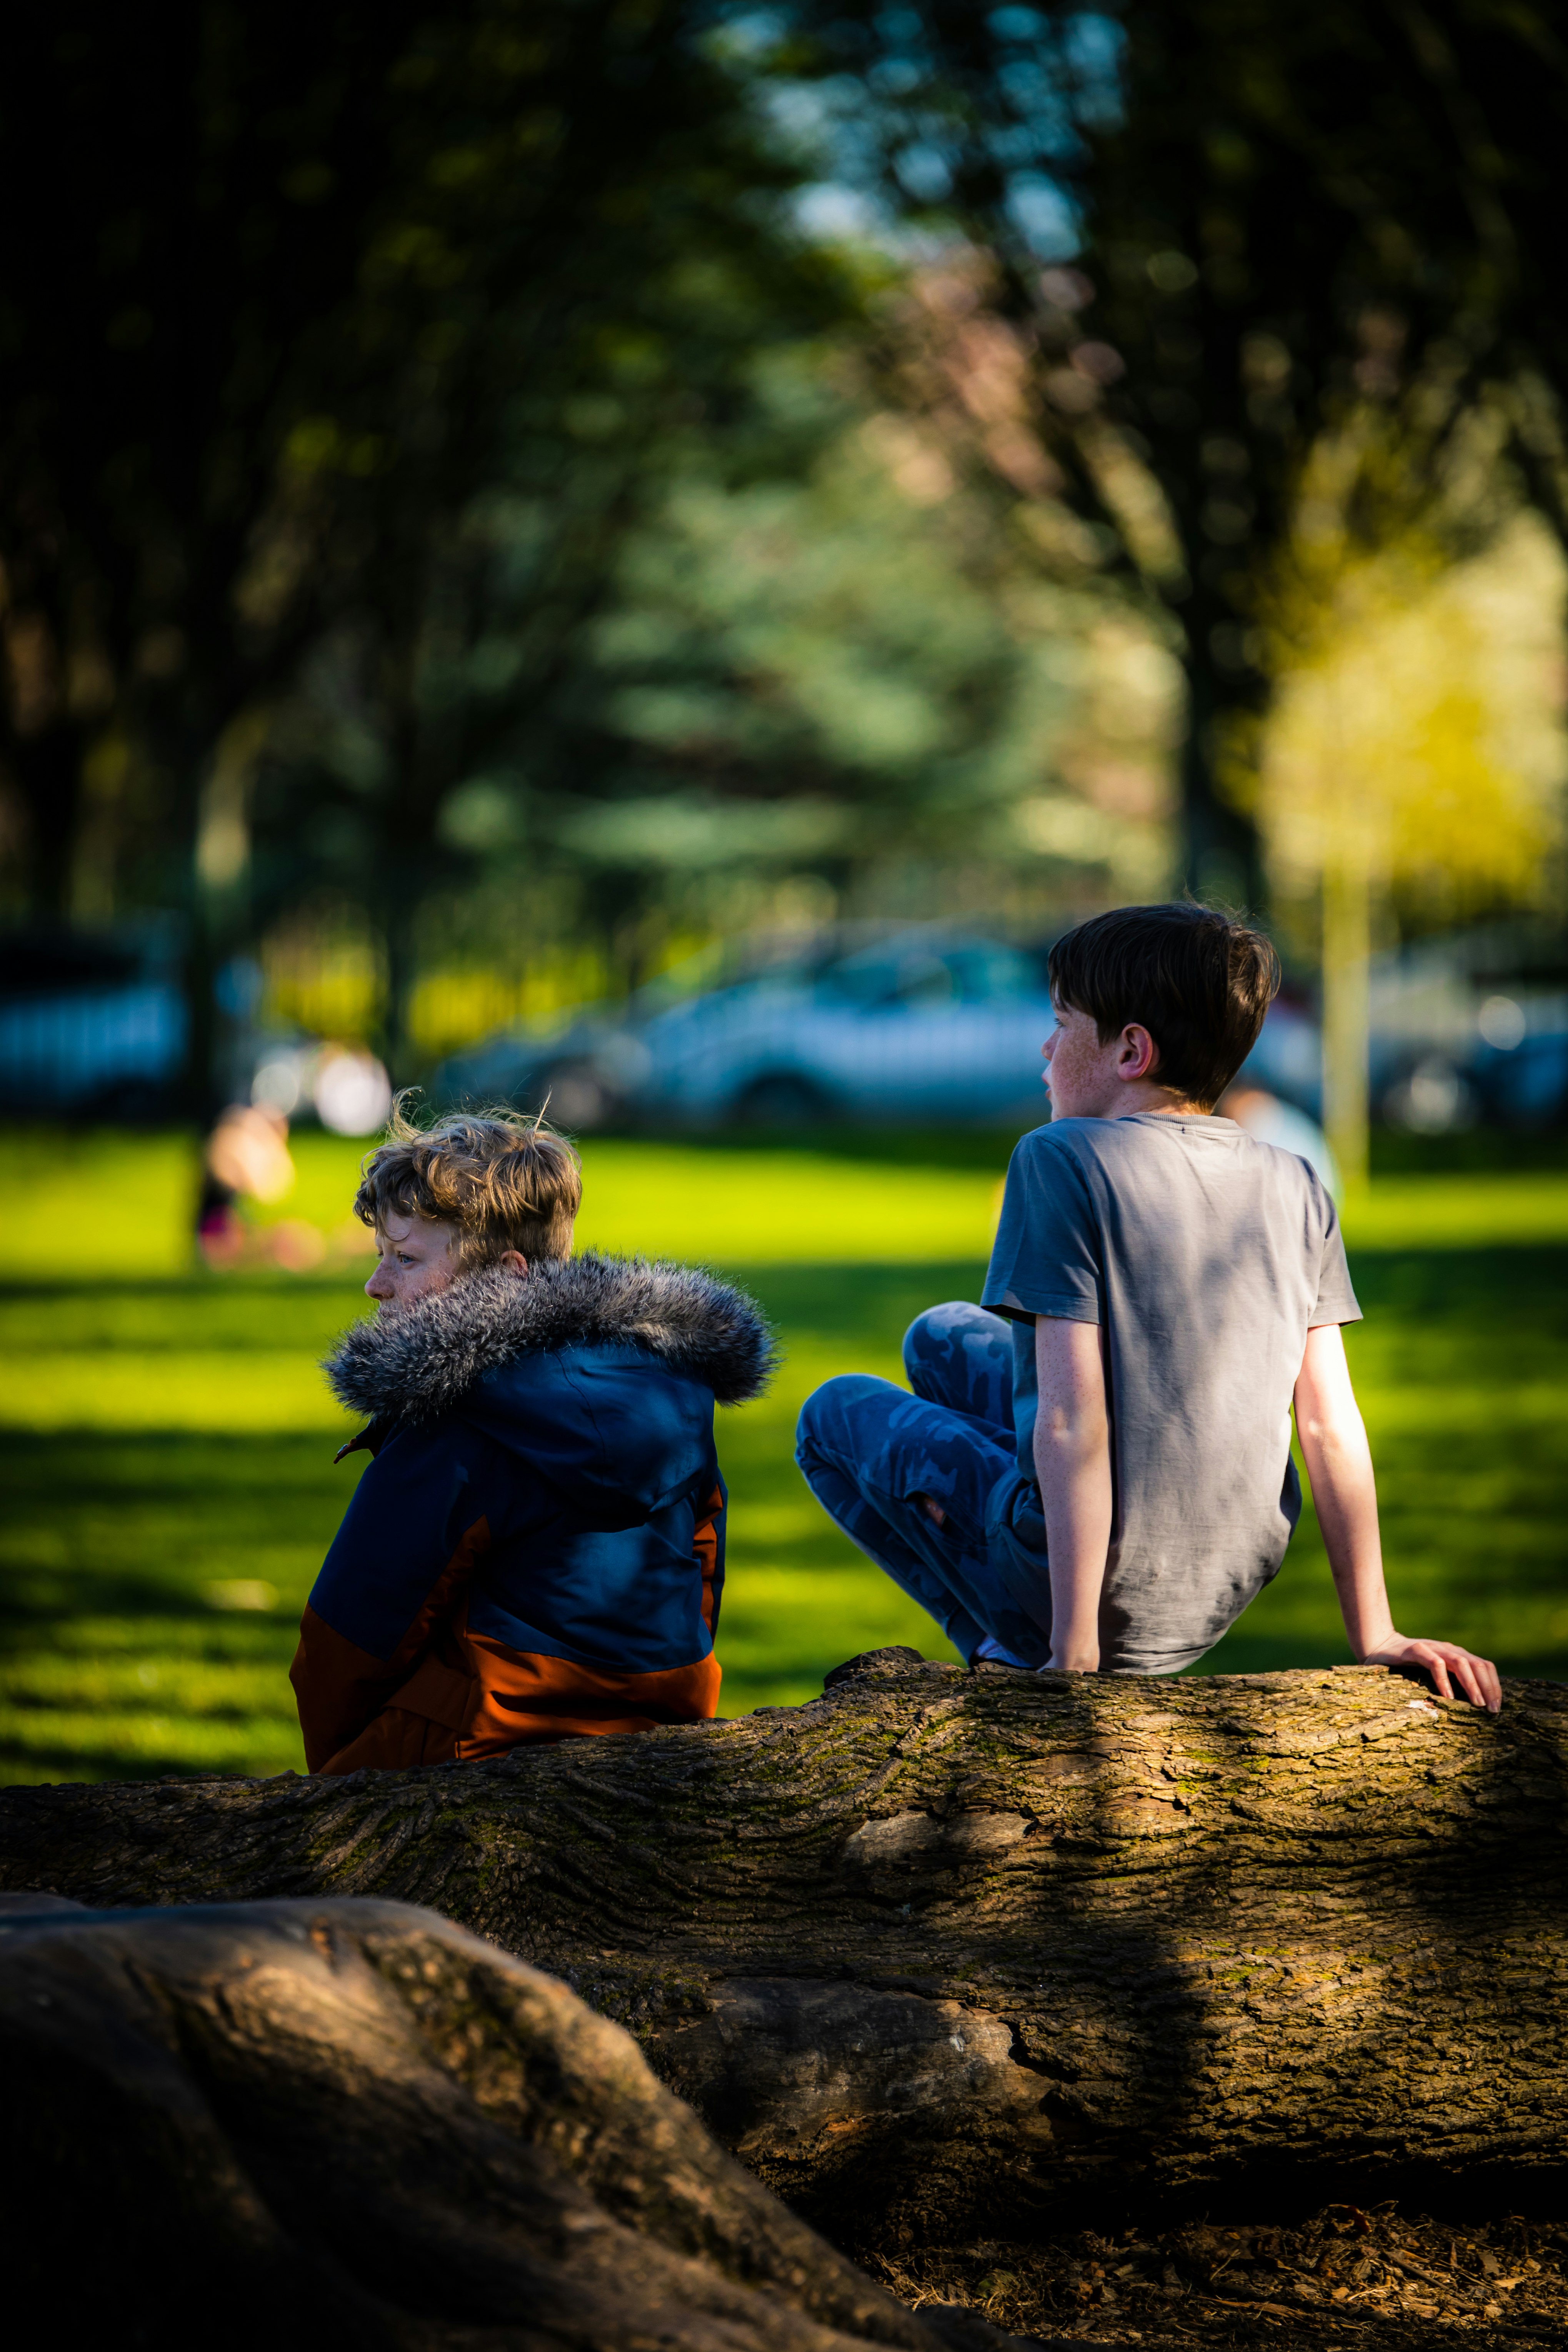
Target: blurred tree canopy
(603,449)
(350,336)
(1414,755)
(824,648)
(1284,210)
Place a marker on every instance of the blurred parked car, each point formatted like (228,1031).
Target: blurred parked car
(1448,1050)
(1519,1065)
(918,1026)
(589,1071)
(90,1024)
(921,1025)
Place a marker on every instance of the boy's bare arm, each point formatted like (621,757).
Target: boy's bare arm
(1072,1462)
(1339,1463)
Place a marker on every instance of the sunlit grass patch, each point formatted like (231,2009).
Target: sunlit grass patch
(783,1626)
(1423,1212)
(191,1686)
(259,1390)
(66,1744)
(168,1439)
(88,1202)
(124,1696)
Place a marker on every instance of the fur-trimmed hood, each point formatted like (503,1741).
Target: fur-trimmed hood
(422,1361)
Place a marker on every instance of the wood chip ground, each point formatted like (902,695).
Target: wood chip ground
(1347,2279)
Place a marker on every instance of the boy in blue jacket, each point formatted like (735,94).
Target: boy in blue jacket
(536,1548)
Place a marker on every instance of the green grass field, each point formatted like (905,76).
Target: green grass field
(169,1486)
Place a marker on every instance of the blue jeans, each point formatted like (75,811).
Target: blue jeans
(868,1449)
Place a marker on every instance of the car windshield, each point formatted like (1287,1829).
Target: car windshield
(981,972)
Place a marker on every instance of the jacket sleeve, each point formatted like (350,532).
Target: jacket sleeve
(397,1568)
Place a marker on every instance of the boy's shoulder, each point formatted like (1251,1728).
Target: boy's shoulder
(1142,1140)
(1148,1138)
(1206,1163)
(1173,1205)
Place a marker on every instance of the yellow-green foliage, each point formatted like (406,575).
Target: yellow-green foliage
(1415,733)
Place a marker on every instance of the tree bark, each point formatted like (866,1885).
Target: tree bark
(1221,856)
(348,2123)
(947,1944)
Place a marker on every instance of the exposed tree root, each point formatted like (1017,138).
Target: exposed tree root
(346,2123)
(958,1952)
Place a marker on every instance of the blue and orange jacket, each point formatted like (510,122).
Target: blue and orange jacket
(536,1550)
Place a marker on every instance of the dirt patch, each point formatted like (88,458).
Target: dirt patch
(1346,2278)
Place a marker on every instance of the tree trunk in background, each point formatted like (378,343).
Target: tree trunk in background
(1221,862)
(400,909)
(1347,1022)
(210,823)
(342,2124)
(46,770)
(945,1947)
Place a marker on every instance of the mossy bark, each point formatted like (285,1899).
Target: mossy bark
(945,1943)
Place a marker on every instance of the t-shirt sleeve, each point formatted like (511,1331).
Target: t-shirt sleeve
(1336,1301)
(1047,1258)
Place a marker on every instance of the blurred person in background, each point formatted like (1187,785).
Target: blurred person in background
(245,1158)
(1268,1120)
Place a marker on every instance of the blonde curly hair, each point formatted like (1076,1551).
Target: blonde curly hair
(505,1181)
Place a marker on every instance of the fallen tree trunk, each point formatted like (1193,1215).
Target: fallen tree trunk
(945,1944)
(350,2122)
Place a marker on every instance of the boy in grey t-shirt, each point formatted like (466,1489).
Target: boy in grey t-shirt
(1093,1470)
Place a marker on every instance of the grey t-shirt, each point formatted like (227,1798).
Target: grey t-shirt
(1207,1257)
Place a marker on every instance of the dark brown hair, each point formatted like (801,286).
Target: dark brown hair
(506,1182)
(1198,980)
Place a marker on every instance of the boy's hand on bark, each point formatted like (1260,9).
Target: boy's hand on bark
(1447,1664)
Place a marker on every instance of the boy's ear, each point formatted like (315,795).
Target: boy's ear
(1140,1056)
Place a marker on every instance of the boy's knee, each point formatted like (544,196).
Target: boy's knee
(932,1337)
(829,1417)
